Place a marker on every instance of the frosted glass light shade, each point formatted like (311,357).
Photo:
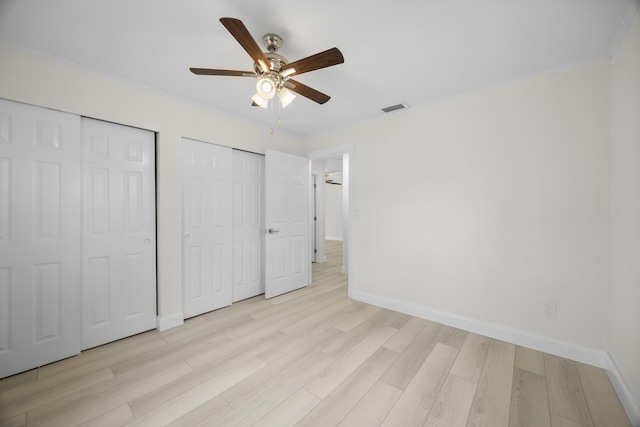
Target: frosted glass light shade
(264,103)
(265,88)
(286,96)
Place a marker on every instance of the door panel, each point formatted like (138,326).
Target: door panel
(207,243)
(5,312)
(248,225)
(119,256)
(40,240)
(287,249)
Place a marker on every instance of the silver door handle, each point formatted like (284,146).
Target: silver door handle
(272,231)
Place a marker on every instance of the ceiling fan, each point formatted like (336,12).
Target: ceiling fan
(272,70)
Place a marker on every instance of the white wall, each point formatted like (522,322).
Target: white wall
(498,203)
(37,80)
(624,286)
(334,223)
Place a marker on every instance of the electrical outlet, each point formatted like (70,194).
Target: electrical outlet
(550,310)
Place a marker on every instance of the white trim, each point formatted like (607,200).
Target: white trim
(167,322)
(525,339)
(589,356)
(629,404)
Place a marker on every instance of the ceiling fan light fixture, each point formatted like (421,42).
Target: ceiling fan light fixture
(260,101)
(287,72)
(266,88)
(273,70)
(285,96)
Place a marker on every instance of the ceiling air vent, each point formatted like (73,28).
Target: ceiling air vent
(395,107)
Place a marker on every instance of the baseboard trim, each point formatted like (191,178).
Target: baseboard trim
(167,322)
(629,404)
(536,342)
(589,356)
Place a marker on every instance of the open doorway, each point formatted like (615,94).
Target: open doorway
(334,165)
(328,205)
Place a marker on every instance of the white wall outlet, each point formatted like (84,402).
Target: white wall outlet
(550,310)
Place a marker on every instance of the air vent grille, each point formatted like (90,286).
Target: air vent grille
(396,107)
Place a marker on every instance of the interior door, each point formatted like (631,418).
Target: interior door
(207,225)
(40,241)
(119,233)
(287,248)
(248,225)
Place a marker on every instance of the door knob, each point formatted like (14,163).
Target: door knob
(272,231)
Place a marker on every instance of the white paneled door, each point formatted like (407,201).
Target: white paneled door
(248,225)
(287,248)
(119,254)
(40,240)
(207,231)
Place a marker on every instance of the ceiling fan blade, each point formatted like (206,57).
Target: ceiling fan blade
(242,35)
(324,59)
(307,92)
(214,72)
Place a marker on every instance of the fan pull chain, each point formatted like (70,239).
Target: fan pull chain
(273,104)
(271,107)
(279,112)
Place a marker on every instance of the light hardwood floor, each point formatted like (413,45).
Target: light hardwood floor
(311,358)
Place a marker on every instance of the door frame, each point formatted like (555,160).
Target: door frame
(348,158)
(318,252)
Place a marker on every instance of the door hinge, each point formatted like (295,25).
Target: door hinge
(315,218)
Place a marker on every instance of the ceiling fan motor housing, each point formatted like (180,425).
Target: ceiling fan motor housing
(276,62)
(272,42)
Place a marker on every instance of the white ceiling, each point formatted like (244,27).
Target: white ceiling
(410,51)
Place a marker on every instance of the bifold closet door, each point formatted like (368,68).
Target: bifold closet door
(119,232)
(207,227)
(248,225)
(40,236)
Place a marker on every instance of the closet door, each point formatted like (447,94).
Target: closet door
(40,239)
(206,218)
(119,232)
(248,225)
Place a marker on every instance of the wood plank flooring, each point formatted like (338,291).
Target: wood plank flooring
(311,358)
